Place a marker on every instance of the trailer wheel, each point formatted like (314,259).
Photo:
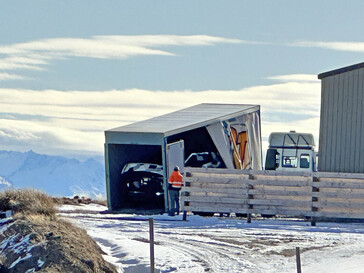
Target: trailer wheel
(267,215)
(205,214)
(241,215)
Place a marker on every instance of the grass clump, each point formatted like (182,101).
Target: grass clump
(44,237)
(27,202)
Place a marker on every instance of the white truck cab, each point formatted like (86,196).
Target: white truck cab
(291,152)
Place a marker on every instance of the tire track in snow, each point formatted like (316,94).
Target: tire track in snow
(209,250)
(214,245)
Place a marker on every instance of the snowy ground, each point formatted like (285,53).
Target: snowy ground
(213,244)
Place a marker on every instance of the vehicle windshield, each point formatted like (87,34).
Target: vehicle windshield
(289,162)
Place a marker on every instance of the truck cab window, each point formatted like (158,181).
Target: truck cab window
(289,162)
(305,161)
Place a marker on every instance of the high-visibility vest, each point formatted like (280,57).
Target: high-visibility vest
(176,180)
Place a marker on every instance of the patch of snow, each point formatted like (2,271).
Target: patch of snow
(23,245)
(4,184)
(5,224)
(40,262)
(225,244)
(20,259)
(7,241)
(15,262)
(8,213)
(83,207)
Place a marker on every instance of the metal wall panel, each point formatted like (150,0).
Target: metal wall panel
(323,125)
(358,80)
(351,120)
(361,134)
(346,123)
(342,124)
(112,137)
(339,136)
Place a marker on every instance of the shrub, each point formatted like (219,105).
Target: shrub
(27,201)
(41,236)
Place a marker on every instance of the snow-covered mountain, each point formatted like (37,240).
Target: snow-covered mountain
(56,175)
(4,184)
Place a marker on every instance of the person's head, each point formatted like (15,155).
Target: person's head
(176,169)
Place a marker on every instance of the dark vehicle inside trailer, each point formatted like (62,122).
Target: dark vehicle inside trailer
(119,156)
(144,185)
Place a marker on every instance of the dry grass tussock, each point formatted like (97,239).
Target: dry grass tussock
(77,201)
(62,246)
(26,202)
(68,243)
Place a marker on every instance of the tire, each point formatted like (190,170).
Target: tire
(267,215)
(241,215)
(205,214)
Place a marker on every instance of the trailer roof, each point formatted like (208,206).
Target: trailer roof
(188,118)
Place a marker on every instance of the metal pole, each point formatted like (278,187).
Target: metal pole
(165,173)
(184,216)
(298,260)
(151,241)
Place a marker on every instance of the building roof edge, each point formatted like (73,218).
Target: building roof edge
(340,70)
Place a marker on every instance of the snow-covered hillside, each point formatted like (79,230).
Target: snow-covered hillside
(56,175)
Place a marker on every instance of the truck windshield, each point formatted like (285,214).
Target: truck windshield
(289,162)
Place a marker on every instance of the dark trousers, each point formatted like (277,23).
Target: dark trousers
(173,202)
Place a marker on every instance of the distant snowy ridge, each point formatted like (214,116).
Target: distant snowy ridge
(4,184)
(56,175)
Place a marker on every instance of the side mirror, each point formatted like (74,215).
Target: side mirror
(270,160)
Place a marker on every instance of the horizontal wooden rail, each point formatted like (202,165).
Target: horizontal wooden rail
(298,194)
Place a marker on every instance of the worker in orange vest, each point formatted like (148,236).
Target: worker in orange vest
(175,184)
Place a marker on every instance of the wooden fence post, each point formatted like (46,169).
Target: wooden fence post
(151,241)
(315,199)
(298,260)
(250,196)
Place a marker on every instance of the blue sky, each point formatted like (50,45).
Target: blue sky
(71,69)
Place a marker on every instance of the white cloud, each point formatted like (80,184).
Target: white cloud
(74,121)
(30,62)
(34,55)
(7,76)
(341,46)
(300,98)
(167,40)
(12,132)
(46,137)
(295,78)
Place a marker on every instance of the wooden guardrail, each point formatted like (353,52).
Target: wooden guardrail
(314,195)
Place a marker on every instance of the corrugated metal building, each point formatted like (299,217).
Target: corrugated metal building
(341,142)
(201,128)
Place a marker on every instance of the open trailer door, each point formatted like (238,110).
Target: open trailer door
(175,156)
